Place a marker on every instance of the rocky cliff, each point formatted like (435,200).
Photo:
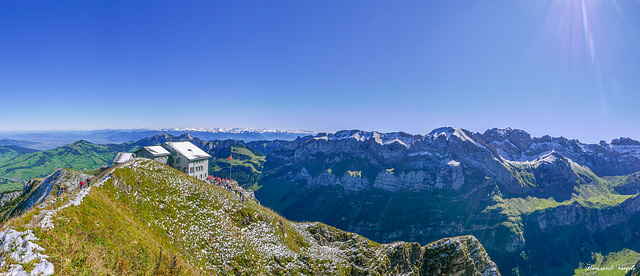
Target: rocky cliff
(494,185)
(37,191)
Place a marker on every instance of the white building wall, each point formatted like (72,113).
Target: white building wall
(146,154)
(196,168)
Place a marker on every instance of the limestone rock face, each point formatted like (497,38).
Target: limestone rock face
(386,181)
(593,220)
(462,255)
(450,181)
(450,176)
(6,197)
(37,191)
(457,256)
(621,156)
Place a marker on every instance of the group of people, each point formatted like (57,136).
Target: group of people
(225,183)
(88,183)
(82,184)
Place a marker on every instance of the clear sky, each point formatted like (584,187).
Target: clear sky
(561,67)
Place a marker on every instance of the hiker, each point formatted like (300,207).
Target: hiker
(81,184)
(88,182)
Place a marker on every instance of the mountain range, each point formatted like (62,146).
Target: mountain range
(540,206)
(46,140)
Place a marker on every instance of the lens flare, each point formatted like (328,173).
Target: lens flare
(584,37)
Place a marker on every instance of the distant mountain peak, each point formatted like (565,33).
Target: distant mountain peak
(235,130)
(516,137)
(186,136)
(446,133)
(82,142)
(625,141)
(402,138)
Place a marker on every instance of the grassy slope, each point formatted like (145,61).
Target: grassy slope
(9,152)
(101,237)
(615,264)
(151,219)
(247,165)
(599,193)
(79,155)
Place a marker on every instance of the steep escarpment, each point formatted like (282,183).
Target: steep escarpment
(396,186)
(620,157)
(147,218)
(37,191)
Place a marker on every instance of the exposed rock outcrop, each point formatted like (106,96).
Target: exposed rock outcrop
(457,256)
(37,191)
(8,196)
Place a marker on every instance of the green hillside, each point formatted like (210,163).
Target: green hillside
(80,155)
(246,164)
(10,152)
(146,218)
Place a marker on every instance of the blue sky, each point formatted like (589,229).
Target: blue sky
(569,68)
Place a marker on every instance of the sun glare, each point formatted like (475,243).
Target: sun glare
(580,36)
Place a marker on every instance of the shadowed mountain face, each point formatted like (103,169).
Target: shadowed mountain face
(503,186)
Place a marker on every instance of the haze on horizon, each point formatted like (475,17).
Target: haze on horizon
(562,68)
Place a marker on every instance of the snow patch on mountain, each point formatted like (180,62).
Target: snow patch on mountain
(20,247)
(549,157)
(235,130)
(448,132)
(401,138)
(631,150)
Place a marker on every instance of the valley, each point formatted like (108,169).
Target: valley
(538,205)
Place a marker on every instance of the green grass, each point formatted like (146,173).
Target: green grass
(613,264)
(595,192)
(102,238)
(9,152)
(80,155)
(10,187)
(246,165)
